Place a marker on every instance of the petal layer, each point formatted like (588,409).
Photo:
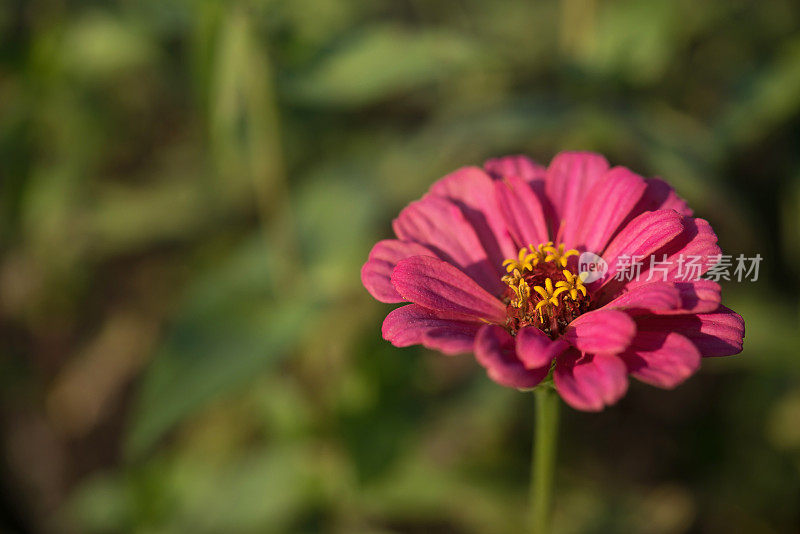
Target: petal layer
(440,226)
(414,325)
(720,333)
(702,296)
(522,212)
(644,235)
(606,206)
(590,382)
(662,359)
(697,242)
(661,196)
(570,176)
(472,190)
(535,349)
(521,166)
(494,349)
(602,331)
(439,286)
(377,271)
(648,298)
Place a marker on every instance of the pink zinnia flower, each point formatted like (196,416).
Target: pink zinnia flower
(487,261)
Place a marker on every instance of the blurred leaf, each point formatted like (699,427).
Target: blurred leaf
(101,45)
(634,38)
(770,97)
(783,426)
(382,62)
(229,329)
(244,120)
(771,333)
(49,221)
(263,491)
(422,492)
(125,219)
(102,504)
(335,245)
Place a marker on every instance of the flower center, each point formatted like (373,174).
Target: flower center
(543,290)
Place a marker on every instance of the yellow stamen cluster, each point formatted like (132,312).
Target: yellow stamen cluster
(529,259)
(522,290)
(558,254)
(571,285)
(549,296)
(531,256)
(543,292)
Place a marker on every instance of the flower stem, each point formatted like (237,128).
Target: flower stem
(545,440)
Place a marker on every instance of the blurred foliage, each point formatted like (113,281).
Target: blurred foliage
(188,190)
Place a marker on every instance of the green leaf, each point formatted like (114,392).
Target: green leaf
(101,503)
(382,62)
(768,100)
(230,328)
(264,491)
(98,45)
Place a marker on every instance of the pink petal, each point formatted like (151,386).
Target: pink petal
(714,334)
(590,382)
(535,349)
(696,239)
(648,298)
(606,206)
(603,330)
(643,236)
(662,359)
(661,196)
(414,325)
(377,271)
(439,225)
(438,285)
(522,211)
(494,349)
(530,172)
(520,166)
(472,190)
(570,176)
(702,296)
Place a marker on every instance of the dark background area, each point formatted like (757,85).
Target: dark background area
(188,190)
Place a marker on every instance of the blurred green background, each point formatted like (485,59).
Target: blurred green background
(188,190)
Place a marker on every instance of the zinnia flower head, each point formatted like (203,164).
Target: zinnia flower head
(487,262)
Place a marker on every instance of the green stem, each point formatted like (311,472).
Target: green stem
(545,441)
